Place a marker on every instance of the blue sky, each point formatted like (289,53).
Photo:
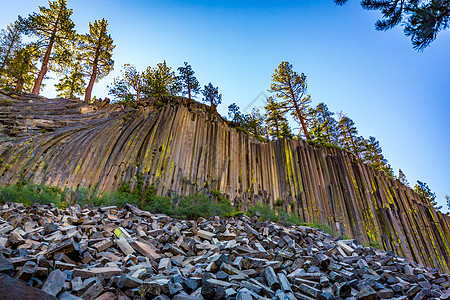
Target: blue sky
(391,91)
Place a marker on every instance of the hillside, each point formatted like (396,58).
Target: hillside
(180,147)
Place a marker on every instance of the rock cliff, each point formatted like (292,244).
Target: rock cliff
(180,146)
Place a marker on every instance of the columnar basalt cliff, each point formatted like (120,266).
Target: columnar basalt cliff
(182,146)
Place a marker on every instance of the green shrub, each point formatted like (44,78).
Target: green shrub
(31,193)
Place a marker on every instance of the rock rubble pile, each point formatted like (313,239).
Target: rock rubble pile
(126,253)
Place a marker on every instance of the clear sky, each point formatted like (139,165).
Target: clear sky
(391,91)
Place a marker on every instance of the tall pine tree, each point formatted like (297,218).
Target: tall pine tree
(189,83)
(10,41)
(275,118)
(129,86)
(21,69)
(323,127)
(73,83)
(292,88)
(160,81)
(55,32)
(211,95)
(97,49)
(349,138)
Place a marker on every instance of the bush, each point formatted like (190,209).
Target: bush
(200,204)
(31,193)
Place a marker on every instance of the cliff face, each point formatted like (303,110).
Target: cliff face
(181,147)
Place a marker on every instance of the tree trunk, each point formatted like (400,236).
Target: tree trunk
(19,85)
(299,113)
(138,94)
(189,88)
(8,53)
(87,96)
(38,83)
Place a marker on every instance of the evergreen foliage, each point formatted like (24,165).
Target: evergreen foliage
(291,88)
(55,34)
(211,95)
(275,119)
(189,84)
(128,87)
(20,70)
(72,84)
(97,50)
(160,81)
(422,19)
(402,177)
(324,128)
(349,138)
(424,190)
(10,42)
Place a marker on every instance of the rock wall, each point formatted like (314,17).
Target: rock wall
(181,147)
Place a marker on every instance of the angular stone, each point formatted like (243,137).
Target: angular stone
(106,272)
(145,250)
(12,289)
(124,246)
(367,293)
(91,293)
(205,234)
(103,245)
(6,266)
(55,282)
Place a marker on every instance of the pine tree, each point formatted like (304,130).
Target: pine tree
(324,127)
(423,189)
(235,114)
(189,83)
(55,32)
(10,41)
(372,154)
(160,81)
(349,139)
(276,122)
(402,177)
(292,88)
(97,48)
(423,19)
(20,70)
(73,83)
(254,123)
(129,86)
(211,95)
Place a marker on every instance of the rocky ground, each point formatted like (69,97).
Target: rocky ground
(127,253)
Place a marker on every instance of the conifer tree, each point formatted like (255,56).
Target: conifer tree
(324,127)
(423,189)
(372,153)
(160,81)
(292,88)
(97,48)
(254,123)
(55,32)
(235,114)
(349,138)
(189,83)
(211,95)
(276,122)
(129,86)
(10,41)
(402,177)
(73,83)
(20,70)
